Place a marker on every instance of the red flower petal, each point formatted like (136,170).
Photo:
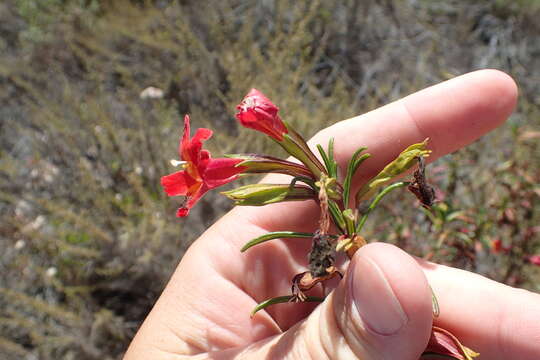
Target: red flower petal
(221,171)
(196,142)
(190,149)
(184,143)
(192,200)
(496,246)
(177,183)
(182,212)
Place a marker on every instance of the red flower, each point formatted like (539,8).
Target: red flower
(498,247)
(257,112)
(535,260)
(200,172)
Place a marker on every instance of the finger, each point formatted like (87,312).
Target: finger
(498,321)
(381,310)
(452,114)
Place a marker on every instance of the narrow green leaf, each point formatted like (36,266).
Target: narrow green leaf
(307,180)
(434,303)
(275,235)
(376,201)
(359,161)
(354,163)
(326,159)
(280,300)
(337,216)
(454,215)
(332,171)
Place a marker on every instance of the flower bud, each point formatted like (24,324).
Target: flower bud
(404,161)
(263,194)
(257,112)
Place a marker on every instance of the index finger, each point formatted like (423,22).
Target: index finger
(452,114)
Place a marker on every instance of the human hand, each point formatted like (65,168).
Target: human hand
(382,308)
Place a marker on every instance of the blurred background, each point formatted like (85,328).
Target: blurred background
(87,237)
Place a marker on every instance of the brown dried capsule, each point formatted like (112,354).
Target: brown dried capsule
(420,188)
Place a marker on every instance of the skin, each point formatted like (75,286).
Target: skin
(204,310)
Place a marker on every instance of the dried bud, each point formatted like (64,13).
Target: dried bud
(420,187)
(322,255)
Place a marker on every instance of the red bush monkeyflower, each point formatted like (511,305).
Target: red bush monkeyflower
(257,112)
(535,260)
(200,172)
(496,246)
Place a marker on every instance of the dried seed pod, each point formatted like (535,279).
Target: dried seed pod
(322,255)
(420,188)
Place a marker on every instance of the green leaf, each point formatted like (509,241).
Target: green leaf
(308,181)
(354,163)
(434,303)
(376,201)
(454,215)
(328,158)
(337,216)
(325,158)
(332,171)
(275,235)
(280,300)
(405,160)
(263,194)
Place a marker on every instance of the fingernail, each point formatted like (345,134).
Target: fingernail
(374,298)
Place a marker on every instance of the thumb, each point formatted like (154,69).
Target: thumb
(380,310)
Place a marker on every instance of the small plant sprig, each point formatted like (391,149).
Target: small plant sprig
(347,210)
